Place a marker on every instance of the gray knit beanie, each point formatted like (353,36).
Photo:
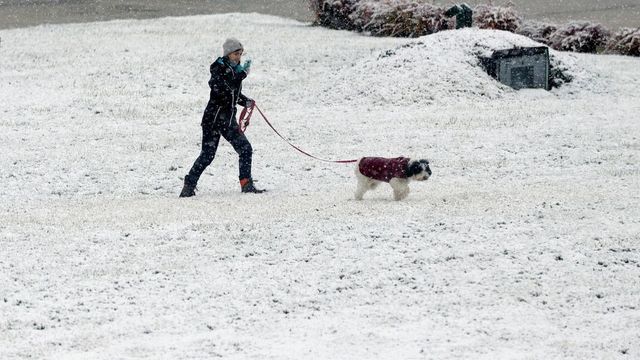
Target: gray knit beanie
(231,45)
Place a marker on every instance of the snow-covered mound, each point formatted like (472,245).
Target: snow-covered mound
(440,68)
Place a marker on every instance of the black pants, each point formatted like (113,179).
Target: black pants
(216,123)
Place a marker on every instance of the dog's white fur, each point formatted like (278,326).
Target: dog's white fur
(400,186)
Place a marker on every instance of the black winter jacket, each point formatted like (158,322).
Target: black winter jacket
(226,85)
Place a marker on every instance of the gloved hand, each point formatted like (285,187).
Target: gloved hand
(246,67)
(249,103)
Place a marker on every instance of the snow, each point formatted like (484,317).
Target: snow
(523,244)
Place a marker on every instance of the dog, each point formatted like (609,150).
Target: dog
(398,172)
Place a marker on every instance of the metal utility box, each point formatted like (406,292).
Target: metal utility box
(520,67)
(463,14)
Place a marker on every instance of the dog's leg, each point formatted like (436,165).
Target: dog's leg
(400,188)
(362,187)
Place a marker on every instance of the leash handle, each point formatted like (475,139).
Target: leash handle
(294,146)
(245,117)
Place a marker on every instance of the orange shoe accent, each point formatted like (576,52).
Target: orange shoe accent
(244,182)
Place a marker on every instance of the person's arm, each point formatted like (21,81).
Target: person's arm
(245,101)
(242,99)
(218,84)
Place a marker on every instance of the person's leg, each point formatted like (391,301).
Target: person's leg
(242,146)
(210,141)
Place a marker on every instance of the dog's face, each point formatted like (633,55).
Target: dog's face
(419,170)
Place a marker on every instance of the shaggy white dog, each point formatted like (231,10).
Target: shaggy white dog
(398,172)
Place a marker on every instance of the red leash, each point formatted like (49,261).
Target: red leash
(245,117)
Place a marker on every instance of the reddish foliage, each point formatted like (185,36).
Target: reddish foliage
(496,17)
(538,31)
(413,18)
(625,41)
(581,37)
(402,18)
(334,14)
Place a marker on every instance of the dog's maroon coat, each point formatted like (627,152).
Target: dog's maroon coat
(384,169)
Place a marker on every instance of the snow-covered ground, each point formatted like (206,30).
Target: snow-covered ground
(523,245)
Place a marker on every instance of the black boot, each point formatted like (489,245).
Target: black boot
(247,186)
(189,189)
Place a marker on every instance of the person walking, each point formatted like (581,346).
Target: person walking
(219,118)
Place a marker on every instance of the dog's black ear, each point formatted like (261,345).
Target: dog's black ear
(414,168)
